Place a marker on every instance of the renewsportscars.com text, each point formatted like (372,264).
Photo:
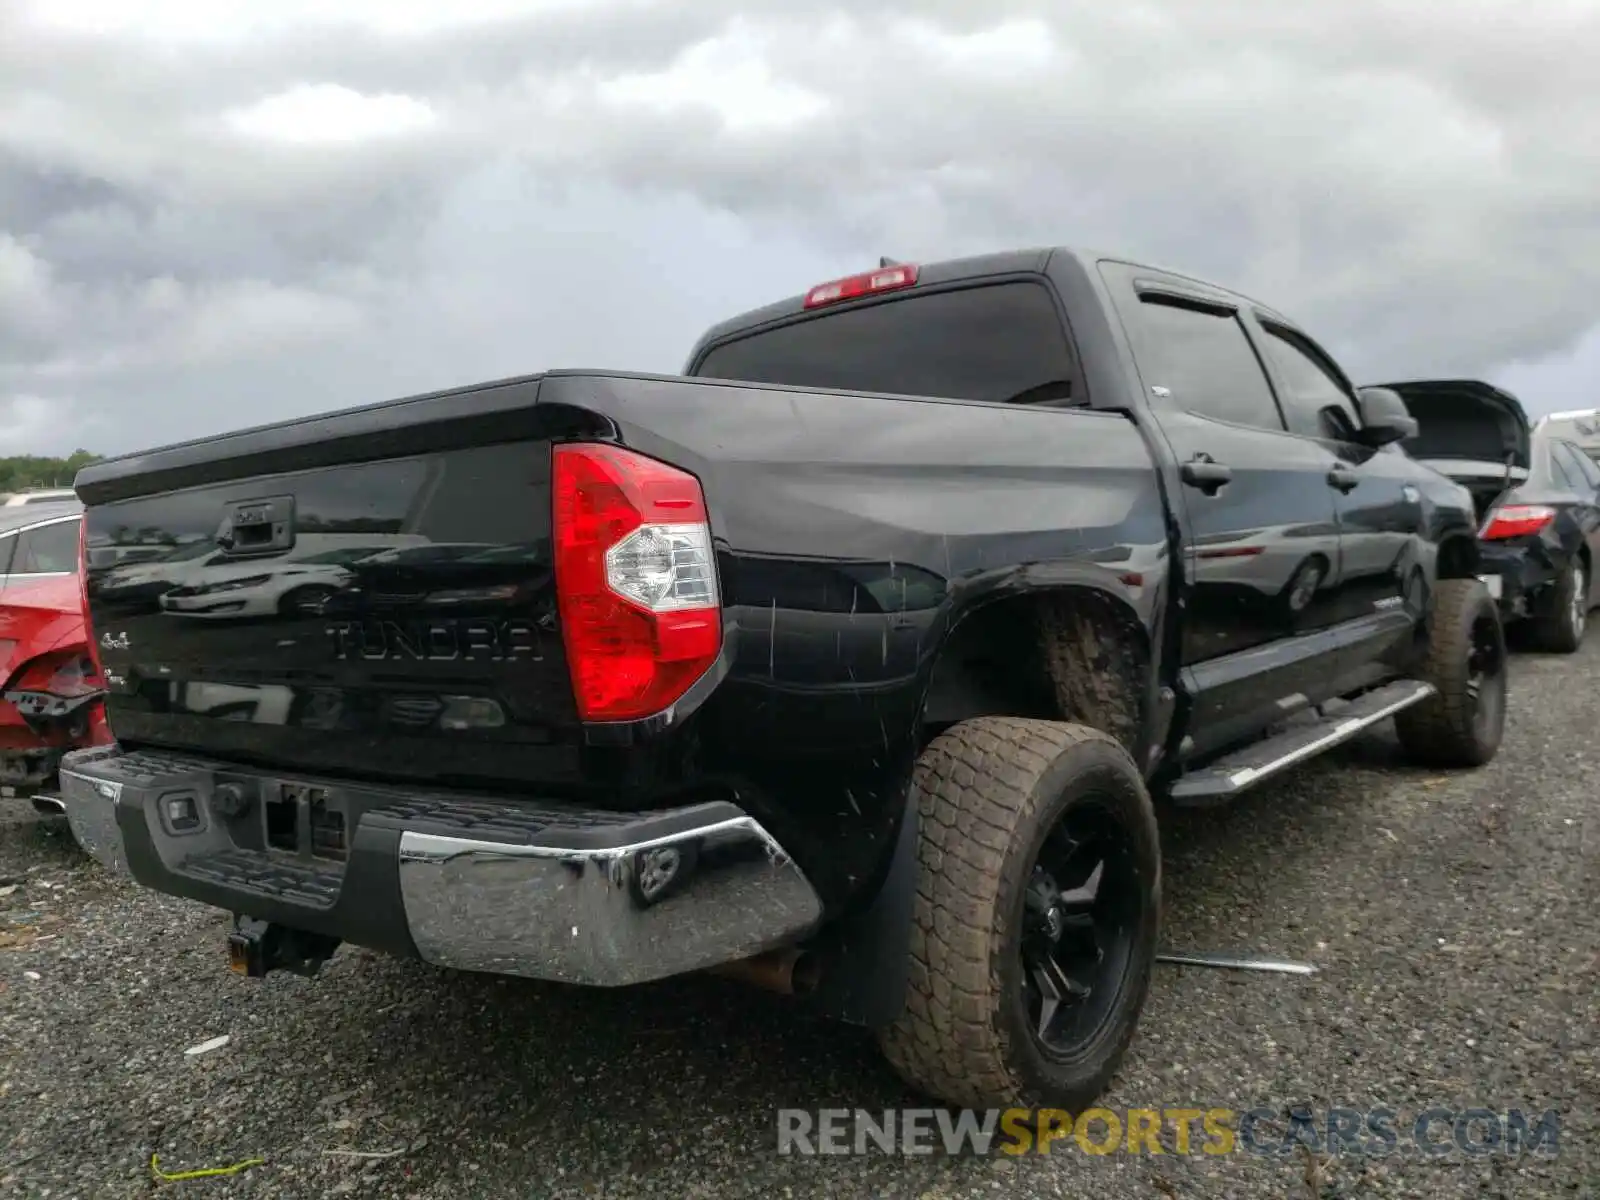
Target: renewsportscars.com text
(1268,1132)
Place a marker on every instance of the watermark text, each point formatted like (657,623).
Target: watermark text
(1193,1130)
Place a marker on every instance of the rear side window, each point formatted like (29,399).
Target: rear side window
(1557,468)
(8,547)
(1202,357)
(48,550)
(998,342)
(1570,467)
(1591,470)
(1315,403)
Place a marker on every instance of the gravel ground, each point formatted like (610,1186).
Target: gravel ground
(1454,920)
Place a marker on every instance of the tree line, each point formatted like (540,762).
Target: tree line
(20,472)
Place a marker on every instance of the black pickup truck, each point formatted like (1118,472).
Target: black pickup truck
(847,663)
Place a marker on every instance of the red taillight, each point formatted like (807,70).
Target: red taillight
(68,674)
(1517,520)
(885,279)
(636,582)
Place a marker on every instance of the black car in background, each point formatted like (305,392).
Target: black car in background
(1537,497)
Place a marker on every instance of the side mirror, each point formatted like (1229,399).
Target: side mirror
(1384,417)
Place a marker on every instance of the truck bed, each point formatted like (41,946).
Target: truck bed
(412,633)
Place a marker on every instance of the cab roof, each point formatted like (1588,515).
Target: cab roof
(1031,260)
(23,515)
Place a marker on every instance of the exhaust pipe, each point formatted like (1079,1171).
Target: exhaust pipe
(50,805)
(788,972)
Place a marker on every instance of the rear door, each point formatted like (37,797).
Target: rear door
(1265,548)
(39,595)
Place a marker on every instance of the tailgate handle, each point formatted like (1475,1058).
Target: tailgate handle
(258,526)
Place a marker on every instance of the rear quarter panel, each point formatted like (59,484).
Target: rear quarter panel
(37,617)
(854,532)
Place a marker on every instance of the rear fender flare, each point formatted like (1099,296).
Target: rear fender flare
(865,954)
(1457,557)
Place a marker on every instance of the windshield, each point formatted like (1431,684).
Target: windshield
(1001,342)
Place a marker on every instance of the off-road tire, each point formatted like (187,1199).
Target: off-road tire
(1556,628)
(988,791)
(1445,730)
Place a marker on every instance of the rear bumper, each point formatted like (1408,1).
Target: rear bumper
(26,772)
(36,730)
(1522,573)
(532,888)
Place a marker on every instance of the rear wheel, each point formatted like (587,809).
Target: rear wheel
(1035,920)
(1462,724)
(1560,624)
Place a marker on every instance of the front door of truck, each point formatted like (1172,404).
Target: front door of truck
(1264,546)
(1381,588)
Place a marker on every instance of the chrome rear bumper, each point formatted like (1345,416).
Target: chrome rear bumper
(525,888)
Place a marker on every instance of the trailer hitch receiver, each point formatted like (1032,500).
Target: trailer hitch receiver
(256,948)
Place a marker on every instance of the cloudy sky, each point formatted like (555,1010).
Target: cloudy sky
(219,212)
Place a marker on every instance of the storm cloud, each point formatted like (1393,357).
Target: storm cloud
(214,214)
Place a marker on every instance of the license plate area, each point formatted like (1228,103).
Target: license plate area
(307,821)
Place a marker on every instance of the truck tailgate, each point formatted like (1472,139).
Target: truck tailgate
(369,593)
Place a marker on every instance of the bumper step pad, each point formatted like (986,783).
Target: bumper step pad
(316,885)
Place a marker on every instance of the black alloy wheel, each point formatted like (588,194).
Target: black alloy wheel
(1081,912)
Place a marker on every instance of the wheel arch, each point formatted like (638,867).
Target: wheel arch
(1458,557)
(1076,650)
(864,981)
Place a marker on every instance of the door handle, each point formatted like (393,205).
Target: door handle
(1343,478)
(1204,472)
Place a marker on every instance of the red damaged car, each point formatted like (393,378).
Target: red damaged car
(51,698)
